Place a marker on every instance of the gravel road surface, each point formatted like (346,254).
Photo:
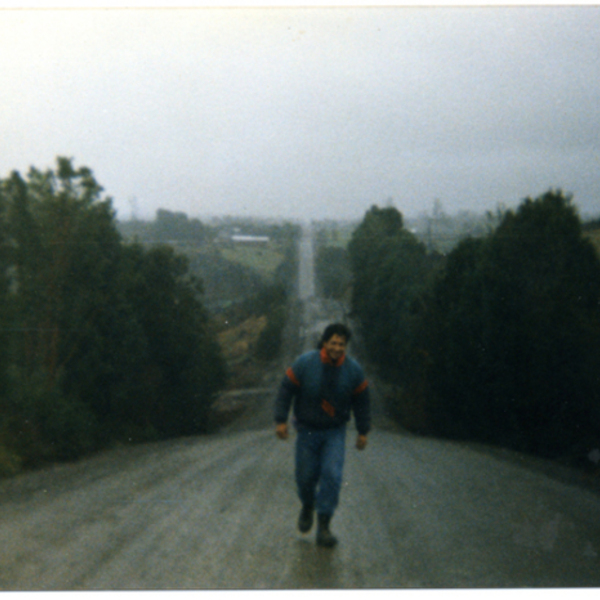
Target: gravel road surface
(219,512)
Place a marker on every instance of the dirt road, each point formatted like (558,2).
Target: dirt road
(220,511)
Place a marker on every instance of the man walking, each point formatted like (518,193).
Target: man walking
(326,386)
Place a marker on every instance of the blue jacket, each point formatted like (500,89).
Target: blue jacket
(325,393)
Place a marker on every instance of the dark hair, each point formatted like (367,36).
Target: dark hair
(335,329)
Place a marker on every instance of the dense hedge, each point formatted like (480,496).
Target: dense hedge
(502,344)
(101,340)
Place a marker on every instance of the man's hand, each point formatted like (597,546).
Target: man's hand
(282,431)
(361,442)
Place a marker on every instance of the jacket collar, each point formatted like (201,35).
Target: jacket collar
(326,360)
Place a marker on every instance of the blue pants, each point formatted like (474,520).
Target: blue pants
(319,466)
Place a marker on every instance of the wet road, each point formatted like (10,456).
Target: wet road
(219,512)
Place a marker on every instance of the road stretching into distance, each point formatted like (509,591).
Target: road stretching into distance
(219,512)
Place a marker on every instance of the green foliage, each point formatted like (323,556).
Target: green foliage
(183,367)
(224,281)
(231,275)
(167,227)
(5,282)
(103,340)
(176,226)
(273,301)
(238,281)
(332,271)
(500,342)
(10,462)
(441,232)
(515,331)
(42,424)
(287,270)
(390,270)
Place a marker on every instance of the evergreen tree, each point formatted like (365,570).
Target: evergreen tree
(107,341)
(516,345)
(5,308)
(183,367)
(390,271)
(332,270)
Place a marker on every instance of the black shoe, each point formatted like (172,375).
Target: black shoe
(305,520)
(324,536)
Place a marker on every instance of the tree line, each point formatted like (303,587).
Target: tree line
(101,340)
(232,292)
(499,340)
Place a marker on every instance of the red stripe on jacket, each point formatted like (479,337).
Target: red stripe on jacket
(292,377)
(362,387)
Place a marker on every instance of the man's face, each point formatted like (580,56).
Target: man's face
(335,346)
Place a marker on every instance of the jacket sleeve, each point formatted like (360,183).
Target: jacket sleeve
(361,406)
(287,390)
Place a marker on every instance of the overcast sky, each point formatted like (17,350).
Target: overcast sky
(307,113)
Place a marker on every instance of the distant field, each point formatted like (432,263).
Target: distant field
(263,259)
